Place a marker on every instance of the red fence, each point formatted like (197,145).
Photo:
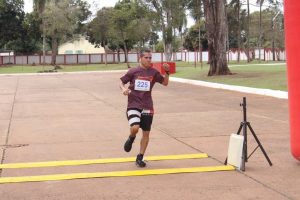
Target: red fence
(71,59)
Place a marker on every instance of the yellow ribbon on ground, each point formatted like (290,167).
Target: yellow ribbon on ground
(99,161)
(58,177)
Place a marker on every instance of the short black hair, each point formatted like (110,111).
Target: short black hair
(143,51)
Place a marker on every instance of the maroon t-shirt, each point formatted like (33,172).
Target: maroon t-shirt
(141,77)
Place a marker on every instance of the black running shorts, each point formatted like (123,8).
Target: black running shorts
(143,118)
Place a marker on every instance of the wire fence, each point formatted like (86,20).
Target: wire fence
(186,56)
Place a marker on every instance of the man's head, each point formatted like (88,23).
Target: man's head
(145,58)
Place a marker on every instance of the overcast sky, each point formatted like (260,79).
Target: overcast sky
(98,4)
(95,4)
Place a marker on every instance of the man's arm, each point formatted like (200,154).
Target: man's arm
(166,78)
(124,90)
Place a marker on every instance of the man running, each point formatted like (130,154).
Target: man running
(140,105)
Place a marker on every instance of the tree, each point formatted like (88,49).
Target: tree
(270,30)
(98,30)
(153,40)
(19,32)
(253,30)
(195,7)
(260,27)
(275,7)
(61,19)
(216,26)
(142,27)
(29,40)
(191,38)
(131,24)
(236,25)
(122,17)
(121,27)
(171,15)
(83,14)
(39,7)
(11,17)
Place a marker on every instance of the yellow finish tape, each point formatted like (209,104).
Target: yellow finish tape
(99,161)
(58,177)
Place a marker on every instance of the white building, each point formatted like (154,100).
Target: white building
(7,53)
(80,46)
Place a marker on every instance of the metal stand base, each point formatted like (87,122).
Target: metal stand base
(243,126)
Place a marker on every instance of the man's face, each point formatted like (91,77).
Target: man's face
(146,60)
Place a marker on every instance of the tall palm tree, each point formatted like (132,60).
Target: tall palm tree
(259,2)
(170,15)
(236,4)
(195,8)
(39,7)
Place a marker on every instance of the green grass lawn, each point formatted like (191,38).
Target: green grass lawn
(270,75)
(244,74)
(65,68)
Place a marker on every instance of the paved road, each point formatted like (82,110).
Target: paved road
(82,116)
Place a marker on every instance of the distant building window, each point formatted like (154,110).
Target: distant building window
(68,52)
(78,52)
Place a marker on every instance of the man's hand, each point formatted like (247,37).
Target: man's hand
(166,67)
(126,91)
(167,70)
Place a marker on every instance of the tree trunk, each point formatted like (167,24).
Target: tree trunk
(118,53)
(168,51)
(168,37)
(54,50)
(105,53)
(166,28)
(126,54)
(125,49)
(216,24)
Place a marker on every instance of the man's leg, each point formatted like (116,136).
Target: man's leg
(134,119)
(143,147)
(144,142)
(133,131)
(146,122)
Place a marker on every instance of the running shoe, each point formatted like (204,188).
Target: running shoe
(128,144)
(140,163)
(139,160)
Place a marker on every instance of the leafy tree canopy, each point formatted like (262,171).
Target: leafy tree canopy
(11,18)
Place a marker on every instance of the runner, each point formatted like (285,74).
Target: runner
(140,105)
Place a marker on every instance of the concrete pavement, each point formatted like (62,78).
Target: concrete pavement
(82,116)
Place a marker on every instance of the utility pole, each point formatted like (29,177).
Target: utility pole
(44,41)
(259,42)
(200,47)
(248,32)
(273,40)
(239,31)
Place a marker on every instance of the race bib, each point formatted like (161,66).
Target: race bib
(142,85)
